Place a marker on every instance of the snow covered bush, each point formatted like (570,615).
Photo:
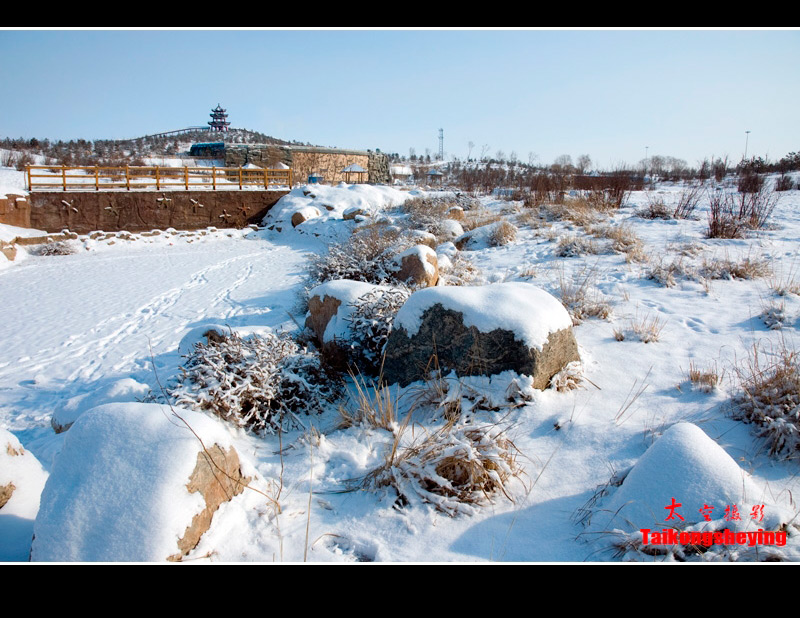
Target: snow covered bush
(456,468)
(56,248)
(262,383)
(367,255)
(371,322)
(770,399)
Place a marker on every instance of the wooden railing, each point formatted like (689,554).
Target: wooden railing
(76,178)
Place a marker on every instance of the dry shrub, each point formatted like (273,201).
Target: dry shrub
(371,322)
(666,274)
(732,215)
(456,468)
(581,299)
(262,383)
(656,208)
(368,255)
(623,240)
(503,234)
(726,268)
(770,398)
(56,248)
(574,245)
(461,271)
(688,201)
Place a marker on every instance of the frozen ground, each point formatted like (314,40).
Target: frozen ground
(77,324)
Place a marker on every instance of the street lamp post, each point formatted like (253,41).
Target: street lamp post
(746,140)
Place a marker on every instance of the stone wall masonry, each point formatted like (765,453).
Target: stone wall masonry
(304,160)
(83,212)
(15,210)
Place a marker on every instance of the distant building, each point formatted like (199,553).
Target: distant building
(219,120)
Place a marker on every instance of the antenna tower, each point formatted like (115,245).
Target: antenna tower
(441,144)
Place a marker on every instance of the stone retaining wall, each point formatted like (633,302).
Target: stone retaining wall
(304,160)
(138,211)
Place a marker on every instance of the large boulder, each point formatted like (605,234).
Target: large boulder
(417,266)
(480,330)
(330,309)
(136,482)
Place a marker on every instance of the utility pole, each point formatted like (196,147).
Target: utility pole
(746,140)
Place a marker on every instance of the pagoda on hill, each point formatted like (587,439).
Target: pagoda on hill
(219,120)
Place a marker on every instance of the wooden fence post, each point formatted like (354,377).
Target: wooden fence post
(157,179)
(64,176)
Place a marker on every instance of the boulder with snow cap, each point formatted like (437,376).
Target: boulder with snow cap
(136,482)
(330,309)
(417,266)
(304,214)
(480,330)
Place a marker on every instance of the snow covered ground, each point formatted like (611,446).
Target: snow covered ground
(127,308)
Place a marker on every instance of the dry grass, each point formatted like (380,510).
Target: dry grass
(784,285)
(581,298)
(666,274)
(705,380)
(726,268)
(370,405)
(646,329)
(503,234)
(770,398)
(623,240)
(478,218)
(574,245)
(582,212)
(456,468)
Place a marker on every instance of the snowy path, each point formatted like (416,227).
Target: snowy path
(78,319)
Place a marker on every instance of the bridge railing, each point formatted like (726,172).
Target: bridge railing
(136,178)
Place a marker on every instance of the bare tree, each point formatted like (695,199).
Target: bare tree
(583,163)
(470,145)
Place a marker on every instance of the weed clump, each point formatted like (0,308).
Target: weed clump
(770,399)
(264,383)
(455,469)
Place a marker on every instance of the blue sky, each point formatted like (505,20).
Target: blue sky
(611,94)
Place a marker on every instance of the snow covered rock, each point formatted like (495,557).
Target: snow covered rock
(330,308)
(304,214)
(481,330)
(134,483)
(491,235)
(685,467)
(22,479)
(418,266)
(126,389)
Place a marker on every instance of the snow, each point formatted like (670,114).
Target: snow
(117,491)
(76,326)
(21,473)
(531,313)
(685,464)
